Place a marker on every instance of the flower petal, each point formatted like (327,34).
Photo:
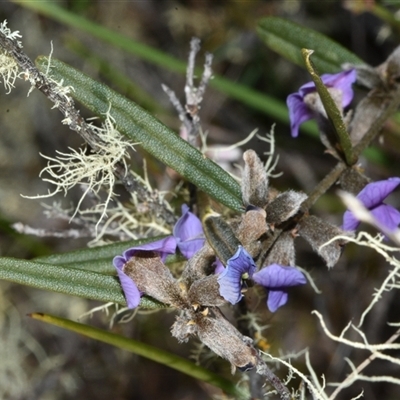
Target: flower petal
(387,215)
(374,193)
(188,233)
(342,81)
(163,247)
(276,299)
(188,226)
(277,276)
(350,222)
(219,267)
(230,280)
(119,262)
(298,112)
(131,292)
(191,247)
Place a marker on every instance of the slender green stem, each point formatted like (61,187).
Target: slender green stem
(144,350)
(386,15)
(329,180)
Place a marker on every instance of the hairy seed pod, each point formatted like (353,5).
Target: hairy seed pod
(254,181)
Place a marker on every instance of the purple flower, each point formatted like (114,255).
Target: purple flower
(300,112)
(276,279)
(187,236)
(238,267)
(372,197)
(188,233)
(163,247)
(219,267)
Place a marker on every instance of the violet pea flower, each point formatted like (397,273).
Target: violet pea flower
(132,294)
(372,196)
(240,266)
(187,235)
(275,278)
(300,112)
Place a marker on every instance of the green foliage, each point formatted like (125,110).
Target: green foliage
(87,284)
(87,273)
(141,127)
(99,259)
(256,100)
(288,38)
(145,350)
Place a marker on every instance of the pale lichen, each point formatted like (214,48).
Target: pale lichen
(95,170)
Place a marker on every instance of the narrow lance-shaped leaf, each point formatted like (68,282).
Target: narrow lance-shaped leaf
(144,350)
(246,95)
(75,282)
(288,38)
(257,100)
(331,109)
(138,125)
(99,259)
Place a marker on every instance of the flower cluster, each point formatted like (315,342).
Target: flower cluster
(268,219)
(223,259)
(188,236)
(304,106)
(142,270)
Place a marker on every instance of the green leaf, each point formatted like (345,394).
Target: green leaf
(89,254)
(259,101)
(333,112)
(99,259)
(288,38)
(65,280)
(119,80)
(145,350)
(71,281)
(139,126)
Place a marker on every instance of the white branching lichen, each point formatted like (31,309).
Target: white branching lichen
(224,156)
(272,160)
(83,167)
(8,71)
(59,87)
(8,67)
(9,34)
(21,355)
(391,282)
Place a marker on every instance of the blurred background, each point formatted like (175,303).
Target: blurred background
(43,362)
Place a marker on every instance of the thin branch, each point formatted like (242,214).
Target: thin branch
(61,99)
(356,373)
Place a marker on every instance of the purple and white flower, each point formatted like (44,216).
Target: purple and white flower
(163,247)
(372,196)
(275,278)
(187,235)
(299,110)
